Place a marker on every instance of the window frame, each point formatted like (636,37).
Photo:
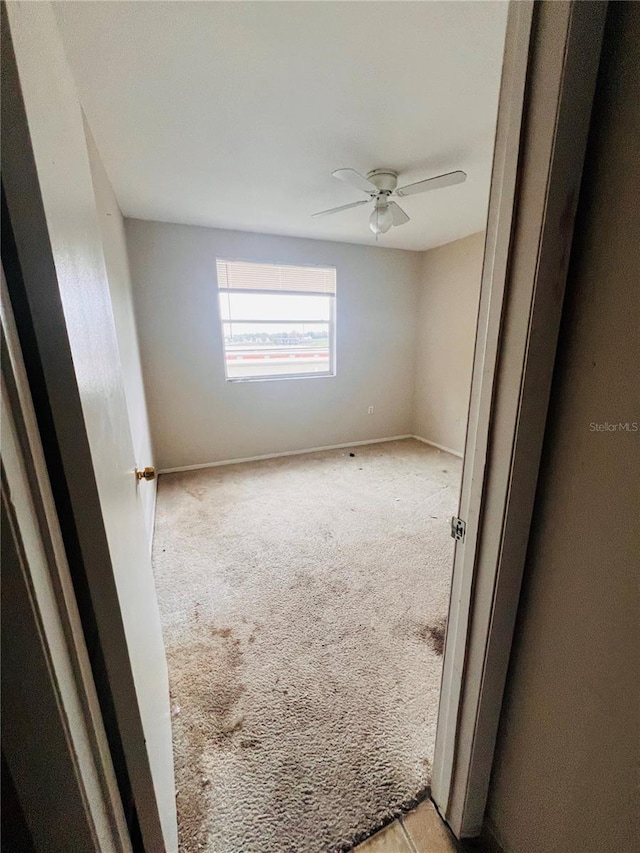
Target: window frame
(332,322)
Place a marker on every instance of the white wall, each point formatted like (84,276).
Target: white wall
(447,315)
(198,417)
(117,266)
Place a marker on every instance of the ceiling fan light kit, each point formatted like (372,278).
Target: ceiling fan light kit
(381,219)
(381,185)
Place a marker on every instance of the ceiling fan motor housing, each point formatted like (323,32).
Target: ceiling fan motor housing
(385,179)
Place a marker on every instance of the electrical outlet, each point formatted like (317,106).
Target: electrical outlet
(370,410)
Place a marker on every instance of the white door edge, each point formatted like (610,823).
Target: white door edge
(558,48)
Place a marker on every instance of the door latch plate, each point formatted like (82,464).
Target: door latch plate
(458,529)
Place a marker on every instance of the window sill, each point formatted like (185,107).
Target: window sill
(242,379)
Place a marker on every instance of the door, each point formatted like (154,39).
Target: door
(61,771)
(66,323)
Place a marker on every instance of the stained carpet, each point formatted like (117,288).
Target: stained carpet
(303,602)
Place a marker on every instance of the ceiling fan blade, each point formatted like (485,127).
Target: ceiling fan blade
(355,179)
(448,180)
(397,213)
(344,207)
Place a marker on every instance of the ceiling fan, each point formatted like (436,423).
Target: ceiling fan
(382,185)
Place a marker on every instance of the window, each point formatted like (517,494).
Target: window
(277,321)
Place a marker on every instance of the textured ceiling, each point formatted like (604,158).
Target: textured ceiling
(234,114)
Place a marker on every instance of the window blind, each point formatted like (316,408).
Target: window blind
(275,278)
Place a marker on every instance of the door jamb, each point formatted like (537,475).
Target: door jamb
(519,320)
(496,253)
(55,622)
(47,259)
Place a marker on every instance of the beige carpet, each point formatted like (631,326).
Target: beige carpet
(303,602)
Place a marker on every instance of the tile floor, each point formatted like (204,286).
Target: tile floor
(419,831)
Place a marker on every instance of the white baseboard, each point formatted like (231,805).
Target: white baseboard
(439,446)
(180,468)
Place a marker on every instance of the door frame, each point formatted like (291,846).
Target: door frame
(552,53)
(50,627)
(54,247)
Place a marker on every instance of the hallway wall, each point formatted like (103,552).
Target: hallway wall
(565,773)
